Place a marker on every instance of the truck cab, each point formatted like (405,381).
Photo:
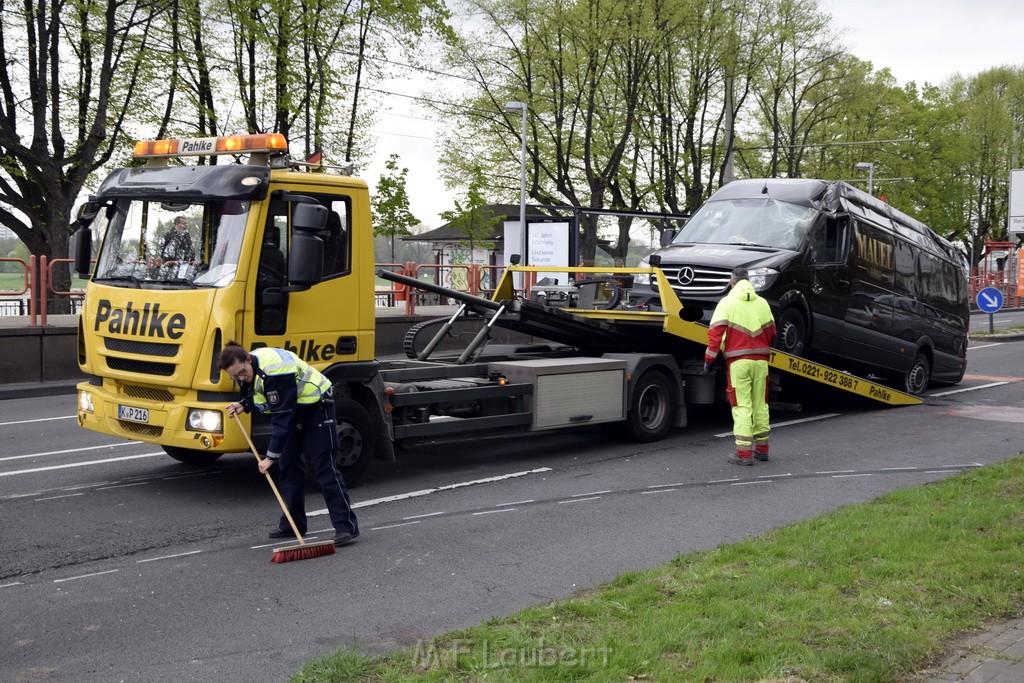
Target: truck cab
(191,256)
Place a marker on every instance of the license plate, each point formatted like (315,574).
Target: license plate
(133,414)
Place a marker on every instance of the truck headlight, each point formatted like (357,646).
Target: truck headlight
(762,278)
(200,420)
(642,278)
(85,402)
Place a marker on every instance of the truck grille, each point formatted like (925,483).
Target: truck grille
(141,348)
(147,393)
(142,367)
(697,280)
(136,428)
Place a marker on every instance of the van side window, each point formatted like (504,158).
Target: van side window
(829,242)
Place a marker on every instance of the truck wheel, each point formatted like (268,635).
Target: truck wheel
(916,379)
(792,332)
(651,407)
(191,457)
(356,439)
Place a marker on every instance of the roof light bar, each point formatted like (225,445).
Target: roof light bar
(264,143)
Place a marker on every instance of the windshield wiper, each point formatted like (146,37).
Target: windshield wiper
(122,278)
(752,244)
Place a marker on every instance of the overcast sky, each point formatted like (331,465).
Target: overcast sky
(918,40)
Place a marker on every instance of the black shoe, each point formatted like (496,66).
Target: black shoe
(763,457)
(735,459)
(283,533)
(344,538)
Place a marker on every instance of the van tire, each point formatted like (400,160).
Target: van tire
(357,439)
(190,456)
(791,337)
(917,378)
(650,408)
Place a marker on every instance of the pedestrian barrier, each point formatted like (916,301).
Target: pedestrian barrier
(38,275)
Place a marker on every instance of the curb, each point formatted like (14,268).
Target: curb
(38,389)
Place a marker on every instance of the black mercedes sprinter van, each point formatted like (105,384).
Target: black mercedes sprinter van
(848,277)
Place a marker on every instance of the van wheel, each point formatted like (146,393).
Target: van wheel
(916,380)
(791,334)
(190,456)
(651,408)
(357,439)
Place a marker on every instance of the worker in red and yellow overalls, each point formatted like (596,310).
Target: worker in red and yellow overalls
(742,328)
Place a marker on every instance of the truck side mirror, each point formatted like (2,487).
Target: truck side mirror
(306,255)
(83,251)
(309,217)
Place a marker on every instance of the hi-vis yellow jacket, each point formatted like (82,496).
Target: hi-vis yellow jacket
(742,326)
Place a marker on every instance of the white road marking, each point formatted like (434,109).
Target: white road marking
(592,493)
(40,419)
(491,512)
(392,526)
(80,464)
(10,585)
(122,486)
(960,391)
(427,492)
(789,423)
(578,500)
(67,495)
(168,557)
(67,450)
(775,476)
(429,514)
(983,346)
(838,471)
(747,483)
(644,493)
(722,481)
(842,476)
(86,576)
(681,483)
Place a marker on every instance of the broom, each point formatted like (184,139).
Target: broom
(302,551)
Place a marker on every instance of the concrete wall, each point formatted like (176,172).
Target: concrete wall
(47,354)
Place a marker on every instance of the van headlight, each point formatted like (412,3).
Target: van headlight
(200,420)
(642,278)
(762,278)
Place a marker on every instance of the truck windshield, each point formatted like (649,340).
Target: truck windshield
(155,243)
(762,222)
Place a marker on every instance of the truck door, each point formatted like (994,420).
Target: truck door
(831,281)
(322,323)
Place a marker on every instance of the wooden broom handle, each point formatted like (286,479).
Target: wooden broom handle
(273,486)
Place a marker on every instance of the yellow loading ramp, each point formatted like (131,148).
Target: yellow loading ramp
(643,325)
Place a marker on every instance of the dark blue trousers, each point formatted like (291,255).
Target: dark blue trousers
(315,434)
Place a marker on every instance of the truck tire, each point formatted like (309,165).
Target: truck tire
(357,439)
(650,408)
(191,457)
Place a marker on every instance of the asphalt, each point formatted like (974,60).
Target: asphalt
(994,655)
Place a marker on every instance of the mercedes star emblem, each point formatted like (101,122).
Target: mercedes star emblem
(685,275)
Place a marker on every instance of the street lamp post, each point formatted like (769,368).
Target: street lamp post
(521,106)
(870,168)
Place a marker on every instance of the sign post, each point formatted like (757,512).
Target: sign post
(990,300)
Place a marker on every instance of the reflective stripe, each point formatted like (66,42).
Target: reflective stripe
(311,384)
(763,351)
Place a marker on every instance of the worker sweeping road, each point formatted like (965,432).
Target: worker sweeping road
(299,400)
(742,328)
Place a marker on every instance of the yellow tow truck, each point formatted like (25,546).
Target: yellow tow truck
(271,252)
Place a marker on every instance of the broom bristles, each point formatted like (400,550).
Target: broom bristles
(302,552)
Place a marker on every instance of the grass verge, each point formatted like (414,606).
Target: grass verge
(870,592)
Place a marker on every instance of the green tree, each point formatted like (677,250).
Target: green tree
(391,214)
(72,73)
(470,216)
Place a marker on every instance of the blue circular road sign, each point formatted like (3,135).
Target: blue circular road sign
(990,300)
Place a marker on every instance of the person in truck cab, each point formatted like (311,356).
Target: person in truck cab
(178,243)
(743,328)
(299,400)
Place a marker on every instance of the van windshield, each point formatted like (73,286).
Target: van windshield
(762,222)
